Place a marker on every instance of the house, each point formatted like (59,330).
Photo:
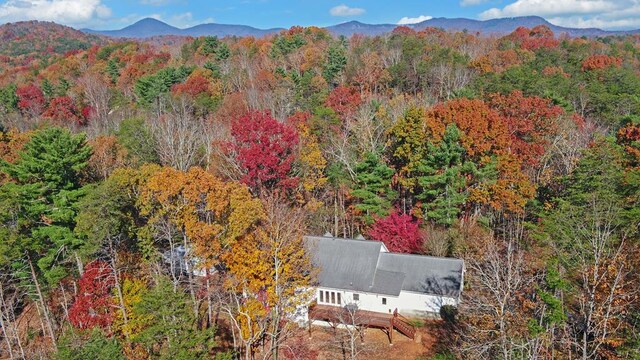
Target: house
(364,274)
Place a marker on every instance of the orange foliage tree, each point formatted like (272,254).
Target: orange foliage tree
(208,213)
(108,155)
(599,62)
(530,121)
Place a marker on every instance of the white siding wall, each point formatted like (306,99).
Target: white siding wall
(367,301)
(410,303)
(407,303)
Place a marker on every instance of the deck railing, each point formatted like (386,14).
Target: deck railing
(341,315)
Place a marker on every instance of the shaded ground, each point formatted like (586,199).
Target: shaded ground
(328,343)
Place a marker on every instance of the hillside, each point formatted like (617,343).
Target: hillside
(151,27)
(38,39)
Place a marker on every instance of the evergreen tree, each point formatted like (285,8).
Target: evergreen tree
(84,345)
(113,70)
(38,207)
(169,327)
(44,197)
(47,89)
(8,98)
(373,188)
(63,87)
(223,52)
(210,45)
(136,137)
(444,178)
(149,88)
(336,62)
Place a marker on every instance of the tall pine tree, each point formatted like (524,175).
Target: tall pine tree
(444,179)
(373,188)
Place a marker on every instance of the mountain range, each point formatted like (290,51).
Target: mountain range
(149,27)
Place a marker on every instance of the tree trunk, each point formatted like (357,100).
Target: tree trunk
(79,263)
(42,302)
(335,215)
(192,291)
(116,280)
(209,303)
(584,345)
(275,333)
(2,323)
(66,304)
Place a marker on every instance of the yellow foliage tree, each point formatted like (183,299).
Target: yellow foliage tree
(132,292)
(268,273)
(209,214)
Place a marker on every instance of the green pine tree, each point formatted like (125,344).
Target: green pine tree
(88,345)
(113,70)
(444,178)
(43,199)
(63,87)
(336,62)
(8,98)
(170,330)
(223,52)
(47,89)
(210,45)
(373,188)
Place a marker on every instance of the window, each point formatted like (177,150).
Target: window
(321,296)
(333,297)
(339,302)
(326,297)
(356,297)
(384,301)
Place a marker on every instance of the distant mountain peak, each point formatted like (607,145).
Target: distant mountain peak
(150,20)
(353,22)
(150,27)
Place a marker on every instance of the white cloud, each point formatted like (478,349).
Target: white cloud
(597,22)
(472,2)
(344,10)
(68,12)
(605,14)
(552,8)
(157,2)
(414,20)
(186,20)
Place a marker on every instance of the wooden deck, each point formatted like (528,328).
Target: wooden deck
(340,315)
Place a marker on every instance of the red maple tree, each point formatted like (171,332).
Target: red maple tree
(265,150)
(194,86)
(344,100)
(93,304)
(529,120)
(31,99)
(399,232)
(62,110)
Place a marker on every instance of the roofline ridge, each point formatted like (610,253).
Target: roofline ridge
(343,238)
(426,256)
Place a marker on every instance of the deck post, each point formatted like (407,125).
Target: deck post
(309,326)
(391,332)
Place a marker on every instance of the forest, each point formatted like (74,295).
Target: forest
(519,154)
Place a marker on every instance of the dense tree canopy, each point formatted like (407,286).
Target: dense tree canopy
(155,194)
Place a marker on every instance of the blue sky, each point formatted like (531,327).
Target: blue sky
(110,14)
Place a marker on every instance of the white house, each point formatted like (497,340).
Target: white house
(365,274)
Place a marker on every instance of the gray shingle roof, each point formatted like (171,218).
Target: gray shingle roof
(425,274)
(365,266)
(344,263)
